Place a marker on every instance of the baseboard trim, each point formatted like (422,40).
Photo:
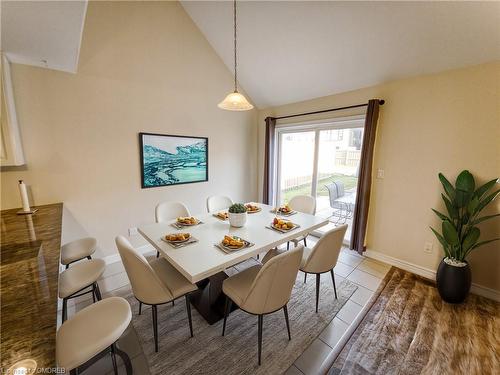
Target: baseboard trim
(428,273)
(407,266)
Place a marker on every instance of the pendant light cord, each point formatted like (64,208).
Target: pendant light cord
(235,61)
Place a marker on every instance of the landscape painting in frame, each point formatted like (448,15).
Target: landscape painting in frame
(172,159)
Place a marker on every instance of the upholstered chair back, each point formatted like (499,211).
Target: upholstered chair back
(272,287)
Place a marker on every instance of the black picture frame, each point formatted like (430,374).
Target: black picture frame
(141,153)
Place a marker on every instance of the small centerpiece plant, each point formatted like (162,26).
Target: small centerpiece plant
(237,215)
(459,232)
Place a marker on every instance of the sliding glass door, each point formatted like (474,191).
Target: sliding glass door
(322,160)
(296,162)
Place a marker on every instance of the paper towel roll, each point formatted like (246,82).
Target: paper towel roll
(24,196)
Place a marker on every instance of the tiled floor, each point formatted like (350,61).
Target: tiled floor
(366,273)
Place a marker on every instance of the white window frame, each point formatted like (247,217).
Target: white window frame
(349,122)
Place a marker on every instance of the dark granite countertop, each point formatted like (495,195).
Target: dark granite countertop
(29,271)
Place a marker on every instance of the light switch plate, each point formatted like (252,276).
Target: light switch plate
(133,231)
(380,173)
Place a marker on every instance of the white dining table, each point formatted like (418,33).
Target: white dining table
(203,263)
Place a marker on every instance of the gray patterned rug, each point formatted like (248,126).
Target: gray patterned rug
(236,353)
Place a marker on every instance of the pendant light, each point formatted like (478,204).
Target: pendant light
(235,101)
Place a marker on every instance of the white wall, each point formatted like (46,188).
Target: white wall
(435,123)
(144,66)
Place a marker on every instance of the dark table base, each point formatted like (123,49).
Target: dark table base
(209,299)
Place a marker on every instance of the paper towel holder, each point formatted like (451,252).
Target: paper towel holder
(26,210)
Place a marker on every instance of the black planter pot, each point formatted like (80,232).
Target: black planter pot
(453,283)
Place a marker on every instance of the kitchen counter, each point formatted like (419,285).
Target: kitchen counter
(30,251)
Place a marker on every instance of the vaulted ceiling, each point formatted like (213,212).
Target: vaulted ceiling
(293,51)
(43,33)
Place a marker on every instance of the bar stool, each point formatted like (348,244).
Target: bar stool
(77,250)
(73,282)
(91,334)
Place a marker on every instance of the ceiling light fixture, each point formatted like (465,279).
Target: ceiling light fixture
(235,101)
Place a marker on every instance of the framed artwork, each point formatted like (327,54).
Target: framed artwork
(172,159)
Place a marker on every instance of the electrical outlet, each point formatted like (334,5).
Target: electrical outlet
(428,247)
(380,173)
(133,231)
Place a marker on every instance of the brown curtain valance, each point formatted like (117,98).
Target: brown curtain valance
(267,193)
(360,218)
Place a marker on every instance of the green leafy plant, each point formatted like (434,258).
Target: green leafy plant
(238,208)
(459,233)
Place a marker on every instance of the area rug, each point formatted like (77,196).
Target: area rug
(236,353)
(410,330)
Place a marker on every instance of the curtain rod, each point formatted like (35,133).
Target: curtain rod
(381,102)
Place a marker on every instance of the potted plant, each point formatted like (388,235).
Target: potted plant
(459,233)
(237,215)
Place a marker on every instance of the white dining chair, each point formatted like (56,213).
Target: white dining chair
(154,283)
(166,211)
(263,289)
(218,202)
(323,257)
(305,204)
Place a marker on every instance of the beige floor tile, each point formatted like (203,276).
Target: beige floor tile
(362,295)
(333,332)
(311,360)
(343,269)
(292,370)
(374,268)
(350,259)
(364,279)
(349,312)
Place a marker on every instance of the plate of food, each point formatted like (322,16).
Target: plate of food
(252,208)
(285,210)
(283,225)
(232,243)
(177,237)
(187,221)
(223,215)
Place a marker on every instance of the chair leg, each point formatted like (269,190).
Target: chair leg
(305,242)
(305,277)
(113,359)
(140,307)
(288,245)
(317,289)
(333,280)
(67,266)
(155,325)
(157,254)
(97,291)
(261,321)
(93,292)
(173,302)
(285,310)
(89,257)
(188,307)
(64,310)
(125,359)
(227,308)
